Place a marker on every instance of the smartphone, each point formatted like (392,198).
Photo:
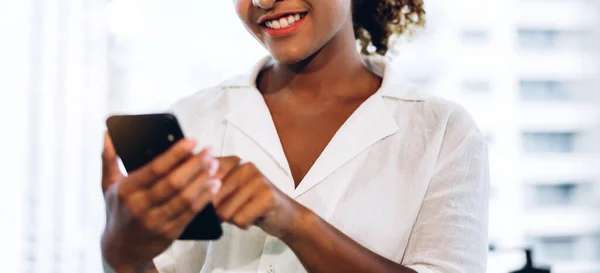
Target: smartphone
(138,139)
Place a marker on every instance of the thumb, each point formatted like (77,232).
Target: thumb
(226,165)
(110,164)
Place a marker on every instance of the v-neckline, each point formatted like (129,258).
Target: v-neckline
(369,123)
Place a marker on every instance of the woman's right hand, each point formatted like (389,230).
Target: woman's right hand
(150,208)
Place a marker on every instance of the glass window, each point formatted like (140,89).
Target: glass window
(548,249)
(475,36)
(561,248)
(543,90)
(551,38)
(476,86)
(597,243)
(547,142)
(554,195)
(567,194)
(537,38)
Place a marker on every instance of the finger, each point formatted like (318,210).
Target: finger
(229,206)
(160,166)
(174,227)
(110,164)
(138,203)
(253,210)
(189,196)
(199,165)
(226,164)
(233,180)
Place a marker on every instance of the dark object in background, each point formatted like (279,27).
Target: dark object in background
(140,138)
(529,265)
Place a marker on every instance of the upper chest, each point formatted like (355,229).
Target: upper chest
(315,118)
(305,128)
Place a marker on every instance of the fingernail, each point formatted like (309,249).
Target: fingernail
(190,143)
(215,185)
(213,167)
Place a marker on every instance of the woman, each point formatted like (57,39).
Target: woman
(346,168)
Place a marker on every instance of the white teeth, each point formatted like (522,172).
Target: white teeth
(275,24)
(283,22)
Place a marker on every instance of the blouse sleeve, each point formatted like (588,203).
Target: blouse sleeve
(450,233)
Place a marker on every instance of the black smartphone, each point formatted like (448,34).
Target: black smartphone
(138,139)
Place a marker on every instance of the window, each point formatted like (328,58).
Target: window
(475,36)
(553,90)
(562,248)
(543,90)
(476,86)
(567,194)
(531,38)
(549,249)
(553,195)
(535,142)
(597,243)
(552,38)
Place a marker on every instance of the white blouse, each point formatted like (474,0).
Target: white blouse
(406,176)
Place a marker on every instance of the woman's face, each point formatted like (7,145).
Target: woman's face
(293,30)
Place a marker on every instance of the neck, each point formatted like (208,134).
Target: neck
(325,73)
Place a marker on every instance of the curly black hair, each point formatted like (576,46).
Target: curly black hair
(376,21)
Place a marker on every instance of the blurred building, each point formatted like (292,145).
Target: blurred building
(53,103)
(527,70)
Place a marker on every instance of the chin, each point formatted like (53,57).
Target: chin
(289,55)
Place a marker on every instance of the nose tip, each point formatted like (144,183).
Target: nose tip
(264,4)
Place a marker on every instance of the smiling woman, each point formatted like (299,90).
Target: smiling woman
(373,24)
(319,159)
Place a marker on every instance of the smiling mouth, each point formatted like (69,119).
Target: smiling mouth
(285,21)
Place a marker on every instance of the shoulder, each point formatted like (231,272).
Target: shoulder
(201,115)
(208,99)
(443,124)
(420,108)
(453,127)
(455,116)
(460,130)
(207,96)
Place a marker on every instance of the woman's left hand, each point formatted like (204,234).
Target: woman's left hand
(248,198)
